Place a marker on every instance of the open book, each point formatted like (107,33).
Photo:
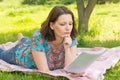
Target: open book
(84,60)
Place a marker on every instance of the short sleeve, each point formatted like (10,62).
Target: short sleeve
(37,42)
(74,42)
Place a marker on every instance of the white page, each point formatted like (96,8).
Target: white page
(84,60)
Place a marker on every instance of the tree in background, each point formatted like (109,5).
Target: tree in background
(84,13)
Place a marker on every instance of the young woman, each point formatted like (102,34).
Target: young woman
(52,47)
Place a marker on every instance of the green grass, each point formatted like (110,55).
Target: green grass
(104,30)
(31,76)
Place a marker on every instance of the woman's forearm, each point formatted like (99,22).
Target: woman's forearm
(40,60)
(69,56)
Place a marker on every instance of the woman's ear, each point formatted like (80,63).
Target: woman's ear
(51,25)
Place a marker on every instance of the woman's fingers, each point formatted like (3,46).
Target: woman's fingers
(77,74)
(67,35)
(67,39)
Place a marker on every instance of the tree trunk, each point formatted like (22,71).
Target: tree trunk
(84,14)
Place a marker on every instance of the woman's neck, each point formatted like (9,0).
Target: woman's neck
(57,43)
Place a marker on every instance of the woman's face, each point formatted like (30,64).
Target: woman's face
(63,26)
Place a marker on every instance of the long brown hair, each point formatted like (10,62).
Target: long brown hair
(47,32)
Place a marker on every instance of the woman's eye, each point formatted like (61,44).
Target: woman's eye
(62,24)
(71,24)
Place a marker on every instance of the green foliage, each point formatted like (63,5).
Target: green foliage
(81,41)
(68,1)
(42,2)
(35,2)
(1,0)
(116,1)
(105,1)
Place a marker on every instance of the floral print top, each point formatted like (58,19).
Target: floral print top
(55,58)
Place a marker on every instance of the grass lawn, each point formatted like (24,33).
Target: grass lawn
(104,31)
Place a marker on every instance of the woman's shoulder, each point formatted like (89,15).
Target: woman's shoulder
(36,33)
(38,41)
(74,42)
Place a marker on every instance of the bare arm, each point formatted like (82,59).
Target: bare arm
(70,53)
(40,60)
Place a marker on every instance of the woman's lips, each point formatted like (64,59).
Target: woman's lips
(67,32)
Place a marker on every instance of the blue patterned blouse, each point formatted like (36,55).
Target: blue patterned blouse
(55,58)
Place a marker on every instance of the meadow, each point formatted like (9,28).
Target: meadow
(104,30)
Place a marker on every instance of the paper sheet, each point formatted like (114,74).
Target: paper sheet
(84,60)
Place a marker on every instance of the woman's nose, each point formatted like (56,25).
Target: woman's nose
(67,27)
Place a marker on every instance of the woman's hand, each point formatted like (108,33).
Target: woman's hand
(67,41)
(70,52)
(81,74)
